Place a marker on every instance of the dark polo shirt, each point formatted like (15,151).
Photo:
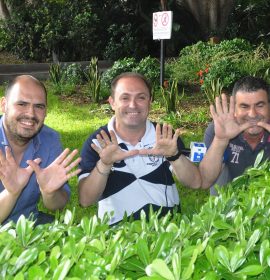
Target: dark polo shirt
(239,155)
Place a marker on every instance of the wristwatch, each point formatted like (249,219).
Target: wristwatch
(175,157)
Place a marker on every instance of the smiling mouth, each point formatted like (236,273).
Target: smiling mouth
(27,123)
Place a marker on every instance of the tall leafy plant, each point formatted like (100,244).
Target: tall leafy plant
(93,79)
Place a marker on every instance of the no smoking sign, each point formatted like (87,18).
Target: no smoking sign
(162,25)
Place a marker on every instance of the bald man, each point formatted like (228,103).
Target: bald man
(32,161)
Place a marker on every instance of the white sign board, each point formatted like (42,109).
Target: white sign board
(162,25)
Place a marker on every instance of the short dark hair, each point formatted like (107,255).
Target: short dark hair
(249,84)
(21,77)
(130,75)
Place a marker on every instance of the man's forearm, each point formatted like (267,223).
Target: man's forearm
(7,202)
(55,200)
(186,172)
(211,165)
(92,187)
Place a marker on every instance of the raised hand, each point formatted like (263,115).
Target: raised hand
(166,142)
(53,177)
(264,125)
(13,177)
(108,149)
(226,126)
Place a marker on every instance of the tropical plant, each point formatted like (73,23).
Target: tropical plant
(56,73)
(213,90)
(171,96)
(93,79)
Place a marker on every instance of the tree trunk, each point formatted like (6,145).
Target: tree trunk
(4,11)
(212,15)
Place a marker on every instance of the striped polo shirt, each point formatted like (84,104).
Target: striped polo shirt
(136,182)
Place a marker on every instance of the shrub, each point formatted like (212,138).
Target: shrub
(148,66)
(119,66)
(205,64)
(227,239)
(73,74)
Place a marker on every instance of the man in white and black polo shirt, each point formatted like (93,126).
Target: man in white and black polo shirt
(127,165)
(239,131)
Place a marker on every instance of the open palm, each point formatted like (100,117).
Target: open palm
(53,177)
(13,177)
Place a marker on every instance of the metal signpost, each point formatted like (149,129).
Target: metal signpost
(162,30)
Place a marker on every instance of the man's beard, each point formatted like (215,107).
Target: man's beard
(24,136)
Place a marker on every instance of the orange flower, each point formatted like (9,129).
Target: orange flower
(200,73)
(206,70)
(201,81)
(166,83)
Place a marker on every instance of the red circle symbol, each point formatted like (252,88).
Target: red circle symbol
(165,19)
(155,21)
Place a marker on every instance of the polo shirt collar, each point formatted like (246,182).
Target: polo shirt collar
(120,140)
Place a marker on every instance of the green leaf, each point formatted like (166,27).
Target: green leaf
(68,218)
(252,241)
(237,258)
(209,253)
(220,224)
(251,270)
(162,244)
(188,271)
(36,273)
(258,159)
(62,270)
(264,251)
(19,276)
(97,244)
(143,251)
(176,264)
(41,257)
(6,253)
(133,264)
(222,255)
(25,258)
(159,268)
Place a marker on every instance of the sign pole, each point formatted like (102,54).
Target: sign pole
(162,29)
(162,63)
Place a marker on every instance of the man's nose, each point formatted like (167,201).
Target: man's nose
(252,112)
(132,103)
(31,110)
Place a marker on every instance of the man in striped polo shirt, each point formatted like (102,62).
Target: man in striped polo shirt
(127,164)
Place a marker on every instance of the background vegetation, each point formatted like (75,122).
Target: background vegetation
(73,30)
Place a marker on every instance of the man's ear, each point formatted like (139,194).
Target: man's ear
(3,104)
(111,101)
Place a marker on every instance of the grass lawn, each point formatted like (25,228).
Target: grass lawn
(75,119)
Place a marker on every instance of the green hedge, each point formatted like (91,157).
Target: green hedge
(227,239)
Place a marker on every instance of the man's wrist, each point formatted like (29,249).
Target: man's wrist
(175,157)
(103,169)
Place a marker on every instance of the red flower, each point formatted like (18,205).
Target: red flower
(201,81)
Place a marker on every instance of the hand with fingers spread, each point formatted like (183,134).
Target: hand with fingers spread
(13,177)
(223,114)
(53,177)
(109,150)
(166,142)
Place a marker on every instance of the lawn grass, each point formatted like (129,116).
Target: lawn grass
(75,121)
